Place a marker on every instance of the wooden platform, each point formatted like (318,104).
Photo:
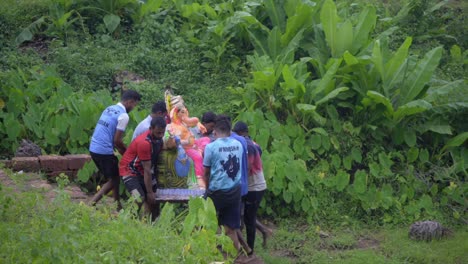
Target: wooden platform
(177,195)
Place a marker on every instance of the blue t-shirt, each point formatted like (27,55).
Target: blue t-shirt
(224,157)
(102,141)
(245,170)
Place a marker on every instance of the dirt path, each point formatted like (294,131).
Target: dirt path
(21,182)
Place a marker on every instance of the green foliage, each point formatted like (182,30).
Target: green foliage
(40,106)
(34,229)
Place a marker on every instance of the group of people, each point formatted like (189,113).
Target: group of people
(232,165)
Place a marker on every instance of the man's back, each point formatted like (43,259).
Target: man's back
(224,157)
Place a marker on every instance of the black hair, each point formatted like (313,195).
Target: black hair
(158,122)
(130,95)
(223,124)
(240,127)
(208,117)
(159,106)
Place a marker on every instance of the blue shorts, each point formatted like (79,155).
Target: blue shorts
(227,204)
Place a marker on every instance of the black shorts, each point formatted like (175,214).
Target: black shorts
(108,165)
(135,185)
(227,204)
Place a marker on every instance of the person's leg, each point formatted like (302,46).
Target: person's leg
(232,233)
(133,186)
(266,232)
(101,162)
(252,202)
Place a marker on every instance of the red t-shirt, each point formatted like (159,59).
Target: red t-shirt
(139,150)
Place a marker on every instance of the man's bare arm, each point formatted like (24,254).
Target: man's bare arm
(118,142)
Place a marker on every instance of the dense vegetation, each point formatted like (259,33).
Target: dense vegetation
(360,106)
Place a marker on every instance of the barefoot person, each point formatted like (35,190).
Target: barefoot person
(223,163)
(135,166)
(256,187)
(108,135)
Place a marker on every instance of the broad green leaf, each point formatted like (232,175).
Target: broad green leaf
(275,12)
(357,155)
(336,161)
(332,95)
(274,43)
(377,58)
(320,131)
(375,169)
(306,107)
(315,141)
(344,38)
(424,155)
(342,180)
(327,78)
(413,154)
(411,108)
(112,22)
(360,181)
(329,18)
(347,162)
(25,35)
(350,59)
(394,67)
(366,23)
(426,202)
(325,142)
(410,137)
(456,141)
(287,196)
(421,75)
(381,99)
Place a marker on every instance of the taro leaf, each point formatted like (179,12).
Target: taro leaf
(25,35)
(426,202)
(315,141)
(336,161)
(410,138)
(287,196)
(342,180)
(325,142)
(360,181)
(357,155)
(112,22)
(413,154)
(424,155)
(332,95)
(12,127)
(375,169)
(299,145)
(347,162)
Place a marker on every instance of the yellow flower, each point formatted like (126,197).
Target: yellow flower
(322,175)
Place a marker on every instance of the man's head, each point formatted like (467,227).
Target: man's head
(241,129)
(208,120)
(159,109)
(222,127)
(130,99)
(158,127)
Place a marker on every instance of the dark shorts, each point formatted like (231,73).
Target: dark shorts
(227,204)
(135,185)
(108,165)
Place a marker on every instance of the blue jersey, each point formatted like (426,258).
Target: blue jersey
(102,141)
(245,170)
(224,157)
